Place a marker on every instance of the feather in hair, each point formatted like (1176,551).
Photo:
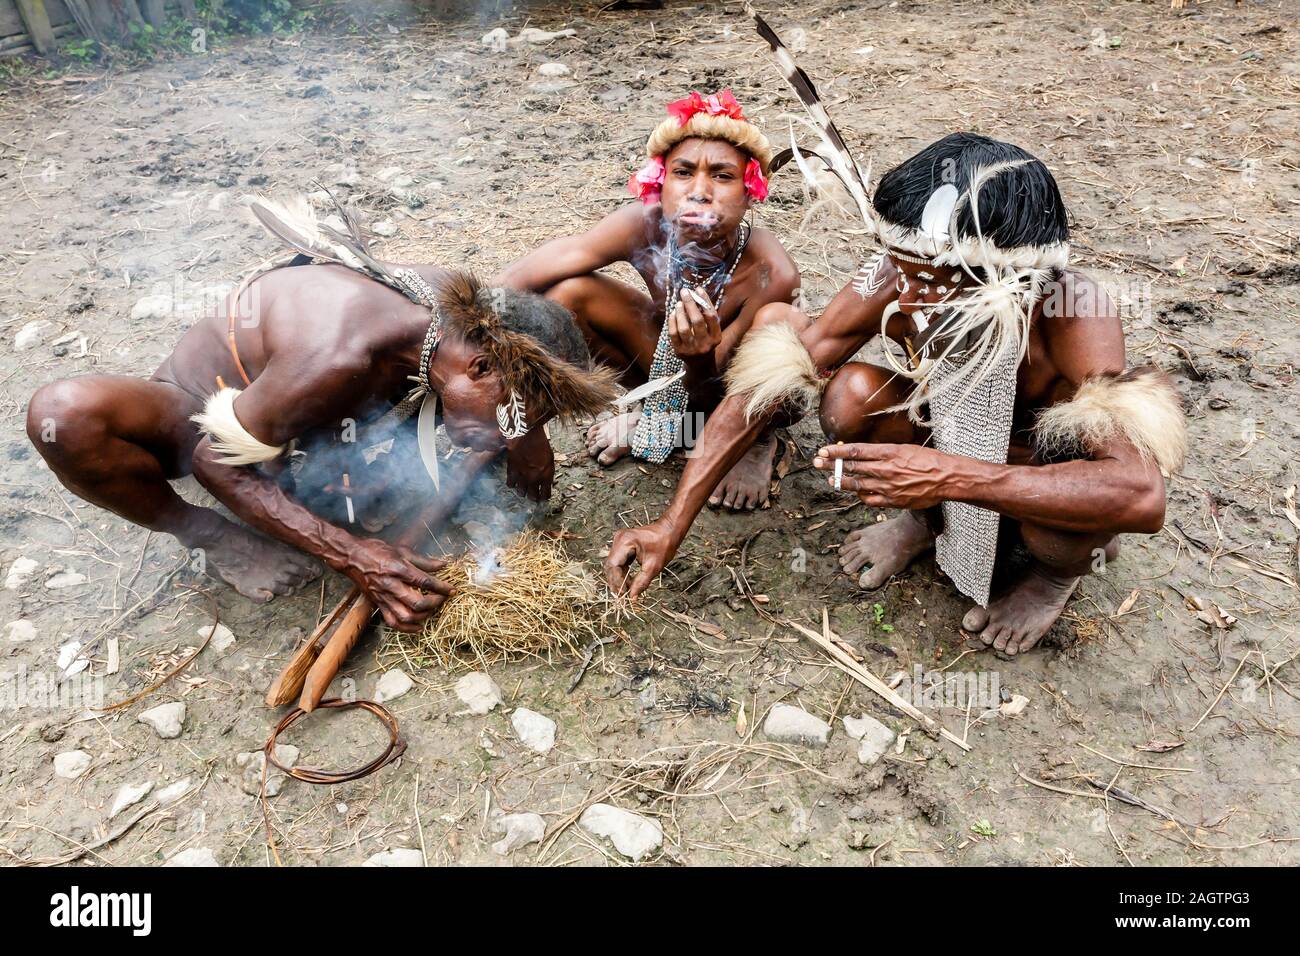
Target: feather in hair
(835,152)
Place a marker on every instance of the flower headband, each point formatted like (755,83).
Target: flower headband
(647,182)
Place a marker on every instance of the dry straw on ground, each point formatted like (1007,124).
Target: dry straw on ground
(524,599)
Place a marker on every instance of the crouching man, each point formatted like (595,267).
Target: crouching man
(1006,414)
(306,348)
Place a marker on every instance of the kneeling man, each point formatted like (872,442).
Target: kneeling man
(314,346)
(707,273)
(1007,412)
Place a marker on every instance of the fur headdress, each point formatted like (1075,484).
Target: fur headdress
(532,343)
(716,116)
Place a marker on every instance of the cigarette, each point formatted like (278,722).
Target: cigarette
(347,486)
(839,469)
(703,303)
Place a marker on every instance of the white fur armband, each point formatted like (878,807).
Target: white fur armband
(1139,406)
(773,367)
(227,436)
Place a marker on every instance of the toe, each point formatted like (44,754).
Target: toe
(1000,639)
(976,619)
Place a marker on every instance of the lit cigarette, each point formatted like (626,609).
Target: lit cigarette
(703,303)
(347,486)
(839,469)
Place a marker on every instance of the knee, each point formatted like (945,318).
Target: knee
(1076,552)
(853,400)
(572,293)
(779,313)
(62,418)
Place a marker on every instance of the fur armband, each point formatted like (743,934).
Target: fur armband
(1138,406)
(773,367)
(227,436)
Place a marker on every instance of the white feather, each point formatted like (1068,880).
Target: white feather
(426,436)
(649,388)
(227,436)
(937,215)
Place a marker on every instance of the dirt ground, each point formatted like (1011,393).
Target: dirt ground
(1171,138)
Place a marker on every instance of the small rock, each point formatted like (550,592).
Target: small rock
(71,764)
(497,39)
(153,307)
(166,719)
(129,795)
(69,660)
(21,631)
(479,693)
(254,760)
(874,737)
(31,335)
(222,636)
(520,829)
(194,856)
(173,791)
(554,69)
(65,579)
(384,228)
(633,835)
(1014,707)
(19,572)
(535,731)
(788,724)
(402,856)
(392,685)
(534,35)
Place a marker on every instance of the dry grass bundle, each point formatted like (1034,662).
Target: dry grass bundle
(525,599)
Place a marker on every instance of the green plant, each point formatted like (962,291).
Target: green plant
(878,610)
(983,828)
(82,49)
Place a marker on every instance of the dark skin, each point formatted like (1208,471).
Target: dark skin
(1068,515)
(704,202)
(321,343)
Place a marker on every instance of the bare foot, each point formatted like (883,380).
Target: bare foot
(256,567)
(1017,620)
(749,483)
(611,439)
(885,548)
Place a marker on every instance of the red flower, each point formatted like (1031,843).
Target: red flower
(647,182)
(755,183)
(722,103)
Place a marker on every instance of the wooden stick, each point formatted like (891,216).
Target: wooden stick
(874,683)
(326,666)
(289,684)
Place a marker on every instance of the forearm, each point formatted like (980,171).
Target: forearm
(261,503)
(724,441)
(1104,496)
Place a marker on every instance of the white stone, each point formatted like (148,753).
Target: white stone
(392,685)
(534,35)
(222,636)
(194,856)
(496,39)
(1015,706)
(153,307)
(535,731)
(873,736)
(71,764)
(21,631)
(520,829)
(19,572)
(384,228)
(554,69)
(31,335)
(68,660)
(65,579)
(633,835)
(129,795)
(478,692)
(403,856)
(173,792)
(788,724)
(254,760)
(167,720)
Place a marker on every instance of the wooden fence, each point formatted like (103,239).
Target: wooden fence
(42,26)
